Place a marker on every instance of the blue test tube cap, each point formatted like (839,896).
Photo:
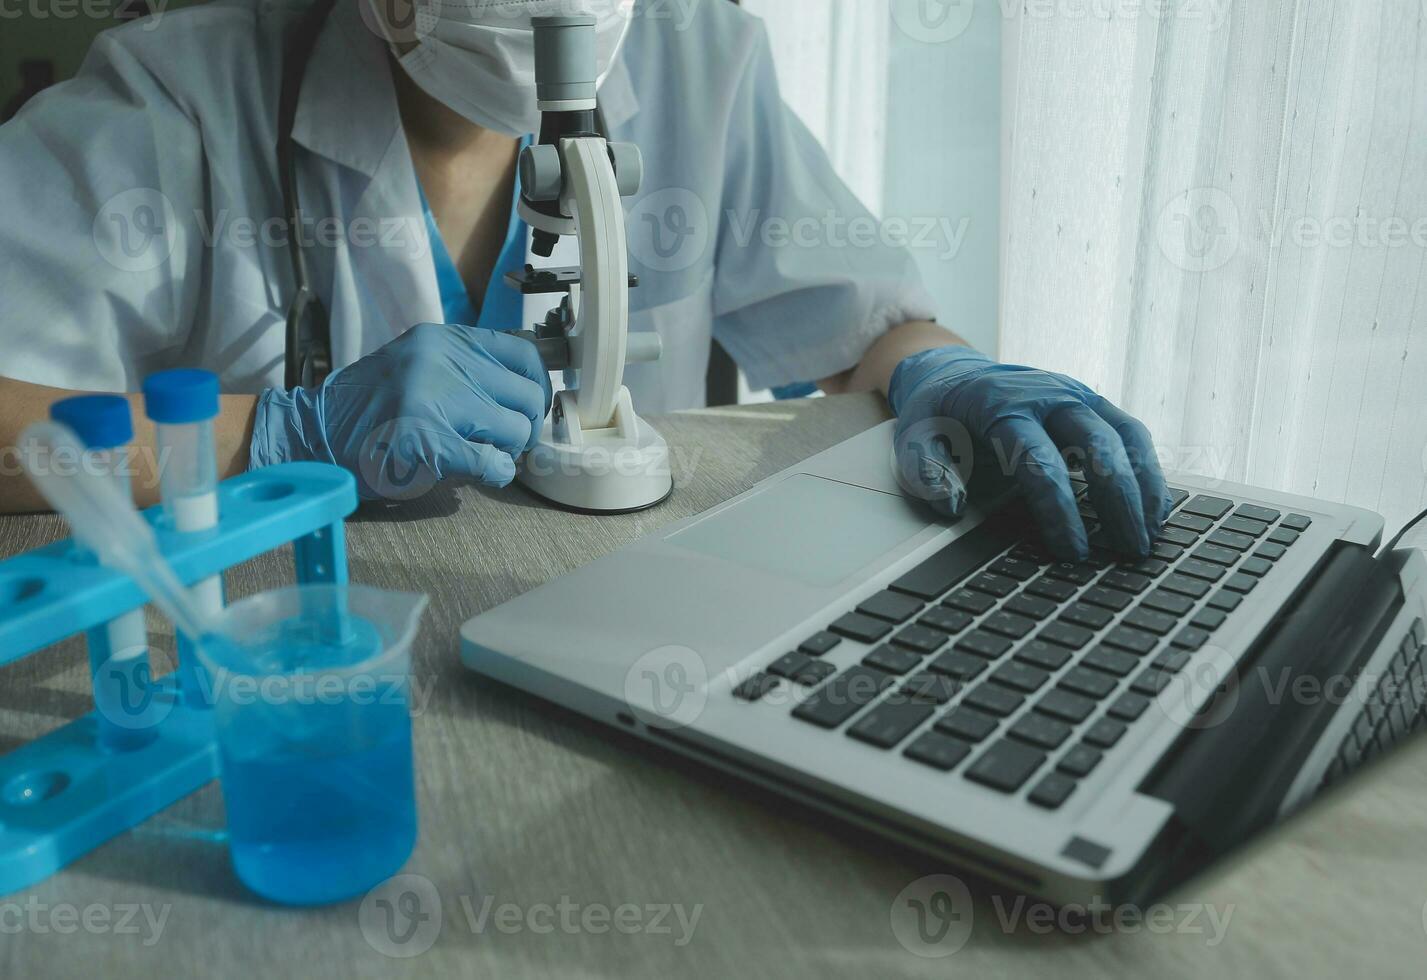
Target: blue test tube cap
(100,421)
(181,396)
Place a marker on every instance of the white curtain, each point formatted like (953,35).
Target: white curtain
(1217,214)
(1215,211)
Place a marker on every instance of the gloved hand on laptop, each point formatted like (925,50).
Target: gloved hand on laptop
(969,423)
(438,402)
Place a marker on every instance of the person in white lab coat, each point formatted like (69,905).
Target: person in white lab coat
(143,229)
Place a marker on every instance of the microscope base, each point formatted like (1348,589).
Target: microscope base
(620,470)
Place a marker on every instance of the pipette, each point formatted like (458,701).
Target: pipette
(104,520)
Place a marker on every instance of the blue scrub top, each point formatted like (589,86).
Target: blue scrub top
(502,308)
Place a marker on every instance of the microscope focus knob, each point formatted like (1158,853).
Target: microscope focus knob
(628,167)
(541,174)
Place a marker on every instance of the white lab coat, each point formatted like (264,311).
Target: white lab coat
(142,227)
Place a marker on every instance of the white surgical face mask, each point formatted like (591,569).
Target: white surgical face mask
(477,57)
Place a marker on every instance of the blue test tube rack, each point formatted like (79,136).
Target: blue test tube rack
(66,793)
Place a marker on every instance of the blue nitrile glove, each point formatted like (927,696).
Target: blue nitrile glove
(439,402)
(1018,425)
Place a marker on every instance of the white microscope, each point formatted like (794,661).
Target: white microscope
(595,455)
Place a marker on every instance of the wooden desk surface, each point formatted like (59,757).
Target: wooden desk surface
(567,822)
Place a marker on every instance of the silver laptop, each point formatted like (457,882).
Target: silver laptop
(1080,732)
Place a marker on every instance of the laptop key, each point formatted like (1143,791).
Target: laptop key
(938,751)
(1032,607)
(1297,522)
(891,606)
(1241,583)
(1151,682)
(1168,602)
(1151,567)
(848,693)
(815,673)
(1184,585)
(965,600)
(1284,536)
(1020,677)
(863,629)
(1128,638)
(946,620)
(1052,791)
(1051,588)
(1088,616)
(1254,512)
(1129,706)
(1165,551)
(1177,536)
(968,724)
(1066,635)
(755,687)
(1224,538)
(1021,571)
(1270,551)
(995,585)
(1080,761)
(996,700)
(1226,601)
(1216,555)
(1150,621)
(1040,731)
(1115,662)
(931,688)
(1047,656)
(1107,598)
(1072,573)
(1190,522)
(958,665)
(890,722)
(1210,507)
(819,644)
(1257,567)
(893,660)
(1131,582)
(1197,568)
(1008,624)
(920,639)
(1242,524)
(1190,638)
(1006,766)
(1105,733)
(1208,619)
(984,644)
(1066,706)
(790,665)
(1172,661)
(1091,683)
(948,567)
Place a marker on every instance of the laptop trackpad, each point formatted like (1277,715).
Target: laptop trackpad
(815,531)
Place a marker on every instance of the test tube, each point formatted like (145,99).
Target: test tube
(118,650)
(182,404)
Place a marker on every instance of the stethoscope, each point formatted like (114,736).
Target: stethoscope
(309,329)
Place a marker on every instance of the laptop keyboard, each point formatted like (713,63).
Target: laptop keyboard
(992,661)
(1394,709)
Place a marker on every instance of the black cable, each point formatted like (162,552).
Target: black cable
(1404,532)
